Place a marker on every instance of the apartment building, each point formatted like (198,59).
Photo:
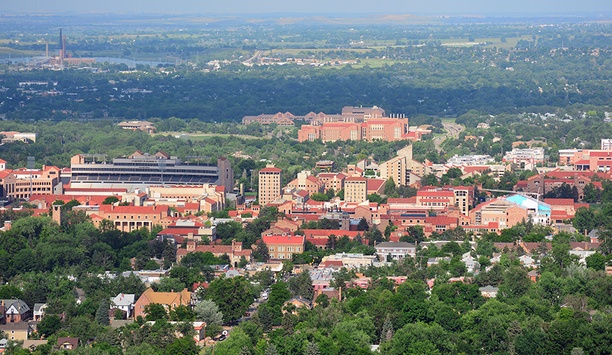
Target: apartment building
(306,181)
(269,184)
(333,181)
(355,189)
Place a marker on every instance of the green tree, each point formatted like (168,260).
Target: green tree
(182,313)
(232,295)
(237,341)
(596,261)
(155,311)
(584,220)
(301,285)
(102,313)
(110,200)
(49,325)
(183,346)
(208,311)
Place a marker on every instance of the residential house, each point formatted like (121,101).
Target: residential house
(14,311)
(296,303)
(125,303)
(489,291)
(67,343)
(19,331)
(168,299)
(470,262)
(39,311)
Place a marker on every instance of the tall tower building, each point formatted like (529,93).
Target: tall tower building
(269,184)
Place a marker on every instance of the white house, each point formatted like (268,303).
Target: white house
(39,311)
(124,302)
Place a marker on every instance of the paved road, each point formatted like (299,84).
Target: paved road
(452,130)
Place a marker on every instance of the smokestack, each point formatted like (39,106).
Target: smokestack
(61,47)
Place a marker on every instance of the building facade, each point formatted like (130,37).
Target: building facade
(269,184)
(355,189)
(141,169)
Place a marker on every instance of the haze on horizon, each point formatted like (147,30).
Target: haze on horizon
(432,7)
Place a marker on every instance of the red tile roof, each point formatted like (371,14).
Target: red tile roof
(270,170)
(283,239)
(441,220)
(375,184)
(559,201)
(134,209)
(325,233)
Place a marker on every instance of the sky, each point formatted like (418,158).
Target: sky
(434,7)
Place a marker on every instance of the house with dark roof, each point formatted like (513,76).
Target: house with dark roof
(14,311)
(67,343)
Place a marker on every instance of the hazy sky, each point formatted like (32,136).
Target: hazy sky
(309,6)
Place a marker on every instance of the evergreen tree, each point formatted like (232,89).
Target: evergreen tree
(102,313)
(387,330)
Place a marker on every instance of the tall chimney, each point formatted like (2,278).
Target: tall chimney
(61,46)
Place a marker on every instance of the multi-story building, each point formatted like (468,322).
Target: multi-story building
(397,250)
(269,184)
(402,168)
(385,129)
(144,126)
(22,183)
(526,158)
(10,137)
(360,114)
(305,181)
(568,156)
(469,160)
(141,169)
(333,181)
(511,210)
(208,197)
(444,197)
(355,189)
(544,183)
(130,218)
(234,251)
(281,119)
(281,247)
